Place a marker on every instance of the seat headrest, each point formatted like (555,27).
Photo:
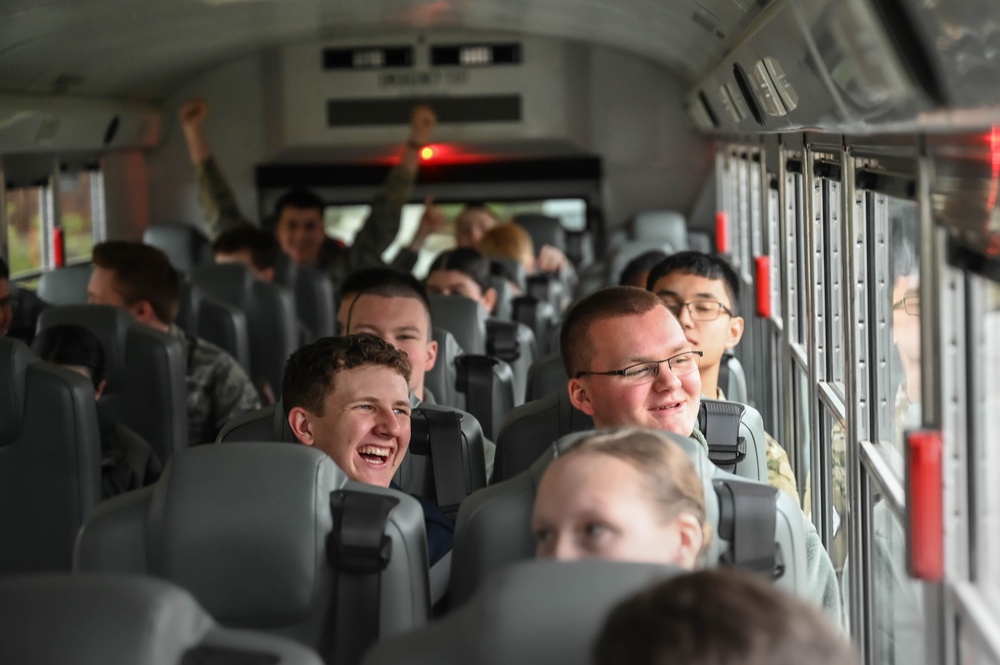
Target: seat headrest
(270,504)
(630,250)
(543,229)
(531,612)
(15,357)
(119,620)
(229,282)
(666,225)
(462,317)
(185,246)
(111,325)
(65,286)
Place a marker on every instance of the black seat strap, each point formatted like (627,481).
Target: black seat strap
(719,421)
(748,520)
(501,340)
(525,309)
(475,381)
(358,551)
(219,655)
(723,380)
(444,433)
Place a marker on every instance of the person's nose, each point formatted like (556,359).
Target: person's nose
(665,378)
(388,424)
(564,549)
(684,317)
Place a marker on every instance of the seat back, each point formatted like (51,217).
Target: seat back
(462,317)
(26,306)
(270,312)
(732,378)
(701,241)
(505,293)
(630,250)
(458,470)
(505,266)
(485,388)
(245,530)
(546,375)
(144,370)
(494,525)
(668,226)
(539,315)
(580,247)
(185,246)
(50,460)
(214,321)
(65,286)
(515,344)
(315,297)
(530,612)
(543,229)
(123,620)
(528,430)
(441,378)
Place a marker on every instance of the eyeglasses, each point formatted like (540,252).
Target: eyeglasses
(909,304)
(680,365)
(700,310)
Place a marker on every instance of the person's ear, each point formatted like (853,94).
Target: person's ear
(100,389)
(735,331)
(579,398)
(490,299)
(142,311)
(432,354)
(301,425)
(690,537)
(266,275)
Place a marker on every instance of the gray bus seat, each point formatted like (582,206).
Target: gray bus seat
(145,373)
(732,378)
(440,379)
(50,460)
(580,248)
(462,317)
(539,315)
(494,525)
(485,388)
(547,287)
(124,620)
(445,479)
(665,225)
(701,241)
(214,321)
(505,266)
(270,311)
(530,612)
(185,246)
(546,375)
(315,297)
(630,250)
(251,531)
(65,286)
(515,344)
(543,229)
(26,307)
(529,429)
(505,293)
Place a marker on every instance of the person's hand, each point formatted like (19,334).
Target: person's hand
(551,259)
(432,221)
(193,113)
(422,123)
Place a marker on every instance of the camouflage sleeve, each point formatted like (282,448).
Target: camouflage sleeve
(379,229)
(217,199)
(233,392)
(779,470)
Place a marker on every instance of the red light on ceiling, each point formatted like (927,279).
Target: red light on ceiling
(427,152)
(995,164)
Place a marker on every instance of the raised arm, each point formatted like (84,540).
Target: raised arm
(214,194)
(382,225)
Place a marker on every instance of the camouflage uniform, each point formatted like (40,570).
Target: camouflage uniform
(377,233)
(779,470)
(217,386)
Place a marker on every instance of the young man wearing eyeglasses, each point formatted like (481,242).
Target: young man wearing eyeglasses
(702,291)
(631,363)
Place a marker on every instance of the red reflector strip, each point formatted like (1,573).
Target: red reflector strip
(722,232)
(925,510)
(763,281)
(58,247)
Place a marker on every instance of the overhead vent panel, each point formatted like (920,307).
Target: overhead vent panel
(396,111)
(368,57)
(475,55)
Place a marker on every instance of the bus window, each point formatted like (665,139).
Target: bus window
(836,357)
(80,203)
(986,455)
(25,206)
(898,341)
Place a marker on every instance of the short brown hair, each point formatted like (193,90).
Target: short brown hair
(613,302)
(719,617)
(142,272)
(510,241)
(311,370)
(669,476)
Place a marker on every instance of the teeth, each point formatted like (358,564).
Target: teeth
(373,450)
